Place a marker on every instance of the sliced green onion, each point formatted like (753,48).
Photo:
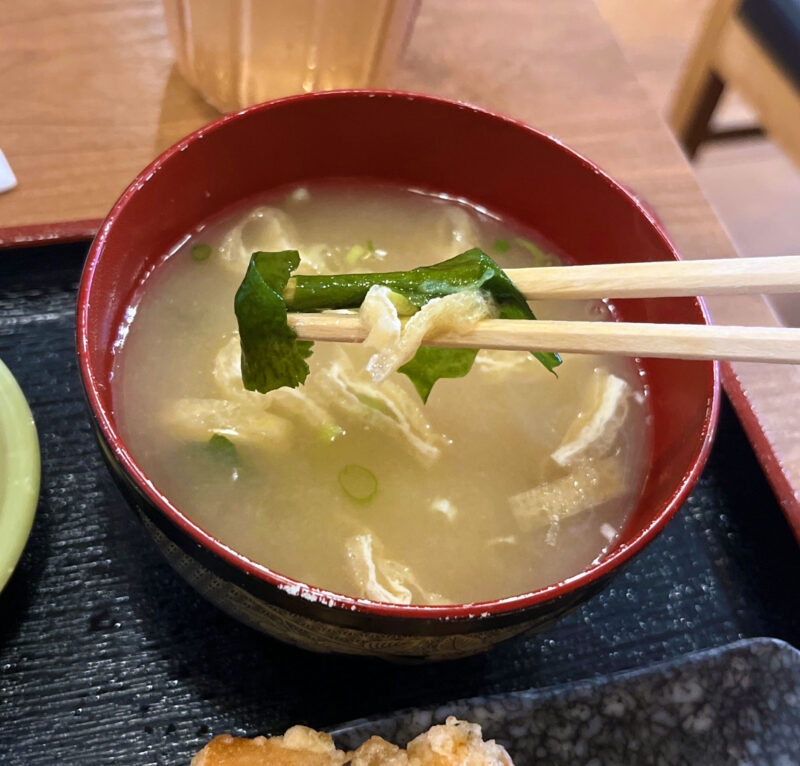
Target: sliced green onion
(541,258)
(201,252)
(374,402)
(404,307)
(329,432)
(355,254)
(502,245)
(358,483)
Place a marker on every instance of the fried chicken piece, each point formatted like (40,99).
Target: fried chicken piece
(454,743)
(299,746)
(378,752)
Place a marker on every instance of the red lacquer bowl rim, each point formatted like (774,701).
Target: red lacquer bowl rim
(319,595)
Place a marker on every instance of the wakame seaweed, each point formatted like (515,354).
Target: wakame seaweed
(272,356)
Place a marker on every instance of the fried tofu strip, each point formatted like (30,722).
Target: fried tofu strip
(395,344)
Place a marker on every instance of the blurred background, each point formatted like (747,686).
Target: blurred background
(752,183)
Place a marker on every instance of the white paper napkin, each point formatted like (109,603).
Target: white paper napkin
(7,178)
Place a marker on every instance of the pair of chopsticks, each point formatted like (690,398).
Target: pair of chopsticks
(780,274)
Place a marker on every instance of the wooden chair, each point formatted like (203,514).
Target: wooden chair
(754,47)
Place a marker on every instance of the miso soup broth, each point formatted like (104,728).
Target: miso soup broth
(507,480)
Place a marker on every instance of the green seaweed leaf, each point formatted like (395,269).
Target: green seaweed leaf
(429,364)
(271,354)
(273,357)
(223,449)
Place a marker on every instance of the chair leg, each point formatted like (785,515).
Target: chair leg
(693,129)
(700,86)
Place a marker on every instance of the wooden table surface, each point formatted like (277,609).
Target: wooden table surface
(89,95)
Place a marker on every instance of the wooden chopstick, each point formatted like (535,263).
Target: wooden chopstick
(748,344)
(653,279)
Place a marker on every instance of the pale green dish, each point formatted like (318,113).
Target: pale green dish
(19,473)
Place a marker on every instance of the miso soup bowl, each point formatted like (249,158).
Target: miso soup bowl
(417,141)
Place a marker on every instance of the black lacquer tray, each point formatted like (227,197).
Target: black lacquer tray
(107,657)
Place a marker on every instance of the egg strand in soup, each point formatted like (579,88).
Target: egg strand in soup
(507,480)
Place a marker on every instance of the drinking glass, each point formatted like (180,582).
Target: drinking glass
(241,52)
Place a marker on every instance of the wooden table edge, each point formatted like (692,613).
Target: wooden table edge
(58,233)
